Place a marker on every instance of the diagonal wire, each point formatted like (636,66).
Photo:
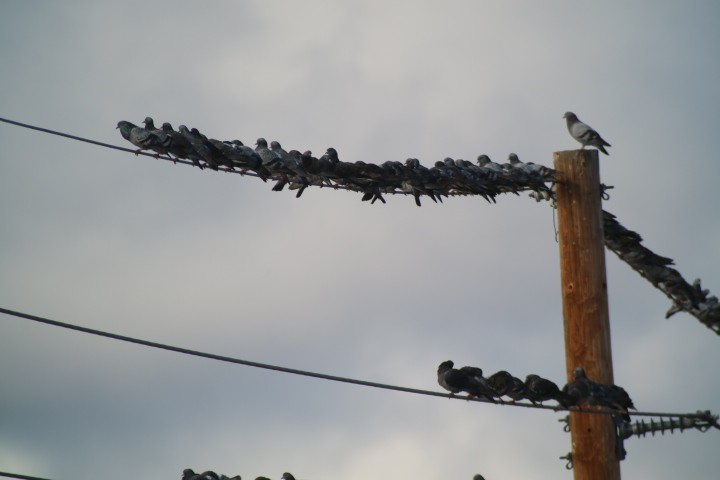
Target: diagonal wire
(305,373)
(20,476)
(620,240)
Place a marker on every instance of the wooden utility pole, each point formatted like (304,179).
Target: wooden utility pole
(585,306)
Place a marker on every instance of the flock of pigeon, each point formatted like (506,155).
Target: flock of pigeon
(447,177)
(301,170)
(189,474)
(581,392)
(691,298)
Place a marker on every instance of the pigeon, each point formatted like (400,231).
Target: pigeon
(541,390)
(286,161)
(584,133)
(180,146)
(477,385)
(198,146)
(287,476)
(451,379)
(269,159)
(583,391)
(579,391)
(501,382)
(140,137)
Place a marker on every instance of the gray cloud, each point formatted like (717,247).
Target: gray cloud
(327,283)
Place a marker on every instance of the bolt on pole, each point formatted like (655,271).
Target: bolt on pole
(585,306)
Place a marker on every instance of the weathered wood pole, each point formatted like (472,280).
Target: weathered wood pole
(585,306)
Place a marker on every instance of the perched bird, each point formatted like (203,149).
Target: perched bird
(583,391)
(269,158)
(286,161)
(579,391)
(477,385)
(540,390)
(451,379)
(584,134)
(199,147)
(501,382)
(180,146)
(140,137)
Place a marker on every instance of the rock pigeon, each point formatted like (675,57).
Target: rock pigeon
(179,145)
(451,379)
(477,385)
(541,390)
(198,146)
(140,137)
(583,391)
(584,133)
(501,382)
(269,159)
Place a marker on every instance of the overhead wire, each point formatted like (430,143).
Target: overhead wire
(322,376)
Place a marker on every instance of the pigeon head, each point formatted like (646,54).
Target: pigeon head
(513,158)
(445,366)
(275,145)
(412,162)
(167,127)
(125,128)
(579,372)
(483,159)
(261,142)
(570,116)
(287,476)
(332,155)
(149,123)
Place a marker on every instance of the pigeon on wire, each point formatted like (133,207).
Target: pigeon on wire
(540,390)
(451,379)
(477,385)
(269,158)
(583,391)
(504,384)
(142,138)
(584,134)
(189,474)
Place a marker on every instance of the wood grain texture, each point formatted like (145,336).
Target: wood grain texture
(585,306)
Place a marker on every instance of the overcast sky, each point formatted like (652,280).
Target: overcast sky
(327,283)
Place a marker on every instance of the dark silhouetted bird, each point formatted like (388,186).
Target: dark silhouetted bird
(540,390)
(451,379)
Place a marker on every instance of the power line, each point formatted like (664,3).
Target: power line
(23,477)
(625,243)
(321,376)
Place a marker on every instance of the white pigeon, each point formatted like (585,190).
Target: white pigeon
(584,134)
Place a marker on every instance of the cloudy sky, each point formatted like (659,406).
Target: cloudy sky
(327,283)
